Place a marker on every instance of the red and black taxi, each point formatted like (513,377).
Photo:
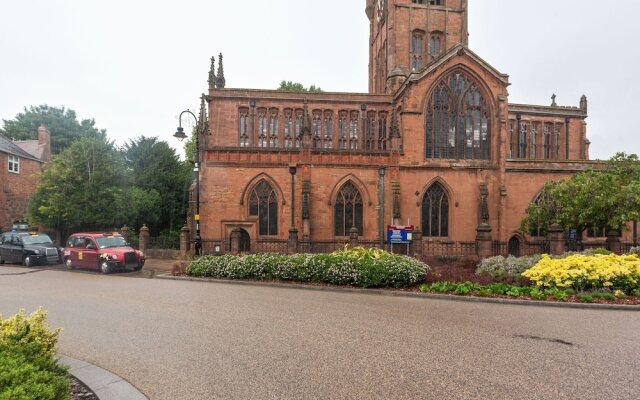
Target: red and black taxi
(105,251)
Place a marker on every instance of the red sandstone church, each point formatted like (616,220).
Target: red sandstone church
(435,143)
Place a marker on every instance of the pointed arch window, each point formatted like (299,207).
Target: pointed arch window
(262,128)
(382,131)
(288,128)
(353,130)
(348,210)
(435,212)
(263,203)
(316,129)
(298,127)
(435,44)
(328,130)
(244,127)
(342,130)
(417,44)
(457,125)
(273,127)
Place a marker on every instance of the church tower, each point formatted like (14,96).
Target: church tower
(407,35)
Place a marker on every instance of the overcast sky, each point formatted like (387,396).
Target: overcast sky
(134,65)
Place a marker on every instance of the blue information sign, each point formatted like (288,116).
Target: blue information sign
(399,234)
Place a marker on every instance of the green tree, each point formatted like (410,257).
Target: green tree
(298,87)
(61,122)
(161,180)
(608,198)
(85,187)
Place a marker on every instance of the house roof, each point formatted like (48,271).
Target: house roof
(9,147)
(32,147)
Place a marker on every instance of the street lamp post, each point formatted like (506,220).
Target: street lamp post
(180,135)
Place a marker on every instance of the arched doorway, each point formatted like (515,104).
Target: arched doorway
(514,246)
(245,241)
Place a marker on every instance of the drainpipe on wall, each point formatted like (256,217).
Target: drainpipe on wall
(381,172)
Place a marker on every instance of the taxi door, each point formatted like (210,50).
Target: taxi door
(90,254)
(78,252)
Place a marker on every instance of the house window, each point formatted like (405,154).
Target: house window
(457,121)
(244,127)
(263,203)
(14,164)
(348,210)
(435,212)
(417,40)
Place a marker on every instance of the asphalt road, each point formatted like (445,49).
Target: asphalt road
(192,340)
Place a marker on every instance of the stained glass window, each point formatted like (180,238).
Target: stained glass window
(435,212)
(348,210)
(457,125)
(263,203)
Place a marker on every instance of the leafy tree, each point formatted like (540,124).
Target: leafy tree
(62,123)
(298,87)
(608,198)
(161,180)
(85,187)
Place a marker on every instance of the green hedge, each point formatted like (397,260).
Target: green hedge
(357,267)
(28,367)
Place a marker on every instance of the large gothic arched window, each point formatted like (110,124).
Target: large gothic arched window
(263,203)
(435,212)
(348,210)
(457,121)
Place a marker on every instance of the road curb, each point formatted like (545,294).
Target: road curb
(106,385)
(399,293)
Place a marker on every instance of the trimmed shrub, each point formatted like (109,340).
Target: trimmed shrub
(28,367)
(495,289)
(357,267)
(588,272)
(511,266)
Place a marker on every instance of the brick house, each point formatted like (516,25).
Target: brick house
(21,161)
(435,143)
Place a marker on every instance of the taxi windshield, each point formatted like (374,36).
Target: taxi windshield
(40,238)
(110,241)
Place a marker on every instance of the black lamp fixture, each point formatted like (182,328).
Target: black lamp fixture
(180,135)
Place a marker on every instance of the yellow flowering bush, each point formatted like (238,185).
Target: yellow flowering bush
(582,272)
(20,329)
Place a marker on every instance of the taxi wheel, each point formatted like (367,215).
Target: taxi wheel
(68,264)
(27,261)
(105,267)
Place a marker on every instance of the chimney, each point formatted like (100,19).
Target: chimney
(44,143)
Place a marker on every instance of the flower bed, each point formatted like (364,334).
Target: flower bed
(582,272)
(28,367)
(357,267)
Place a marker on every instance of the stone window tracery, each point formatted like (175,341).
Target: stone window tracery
(263,203)
(328,130)
(273,127)
(262,128)
(288,128)
(382,131)
(533,132)
(370,131)
(298,134)
(348,210)
(435,44)
(417,44)
(244,127)
(547,141)
(435,212)
(522,141)
(353,130)
(457,125)
(316,129)
(342,130)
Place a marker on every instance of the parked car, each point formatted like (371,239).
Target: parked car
(105,251)
(28,248)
